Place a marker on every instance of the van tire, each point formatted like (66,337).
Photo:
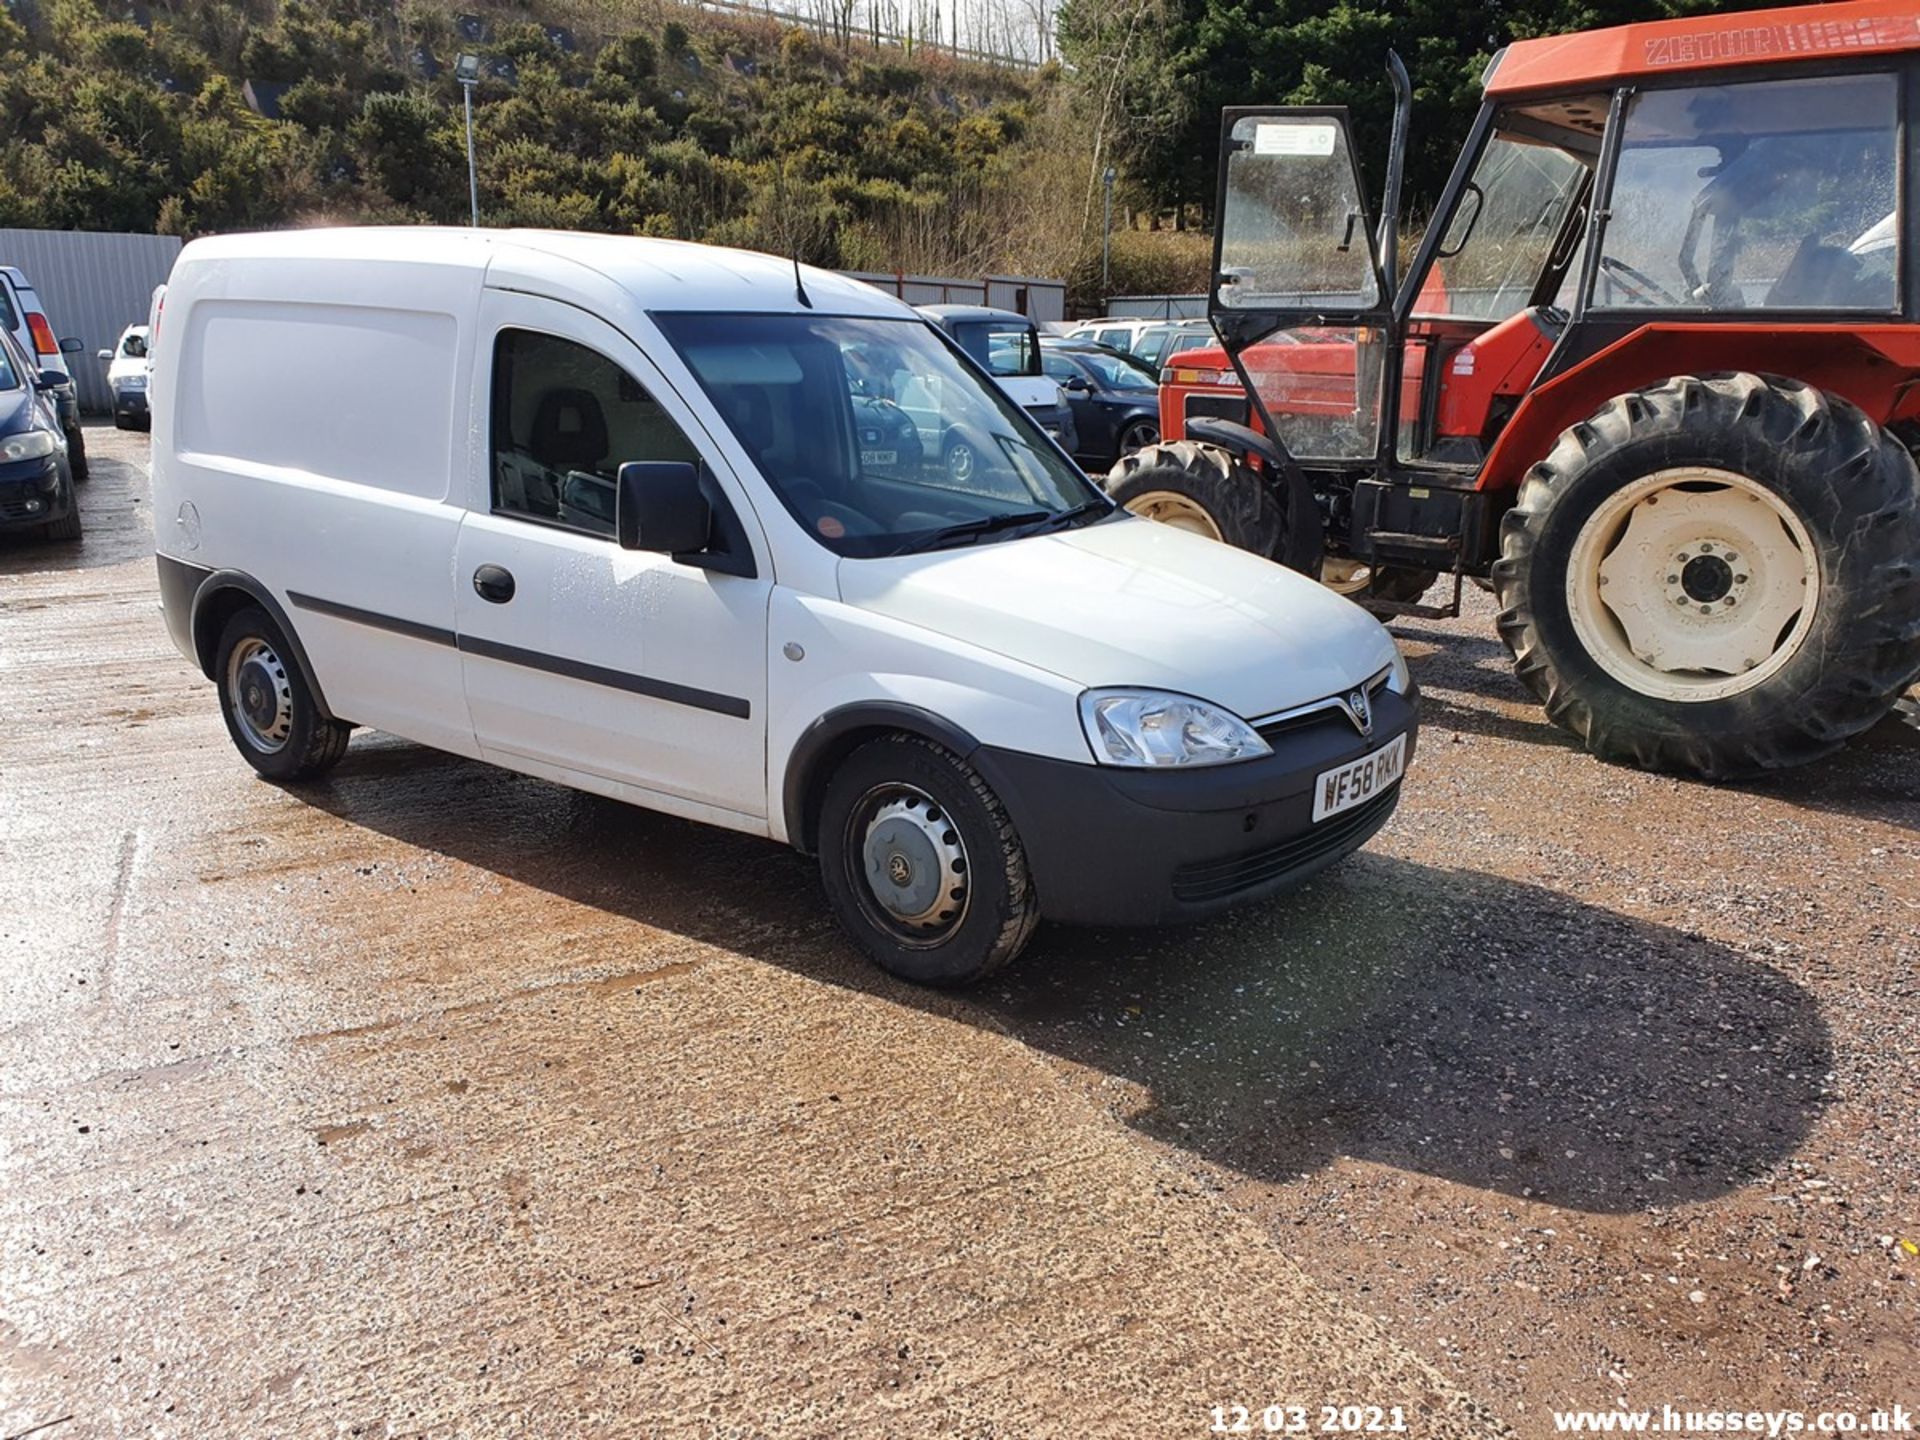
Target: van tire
(1813,457)
(282,735)
(77,453)
(946,816)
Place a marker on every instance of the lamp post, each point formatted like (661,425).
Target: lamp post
(466,70)
(1106,234)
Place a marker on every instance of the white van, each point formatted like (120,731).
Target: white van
(609,511)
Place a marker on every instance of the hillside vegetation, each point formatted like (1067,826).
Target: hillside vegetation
(639,118)
(653,117)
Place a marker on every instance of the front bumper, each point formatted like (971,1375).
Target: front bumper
(1111,846)
(32,493)
(129,402)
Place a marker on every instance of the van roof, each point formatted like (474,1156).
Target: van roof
(659,274)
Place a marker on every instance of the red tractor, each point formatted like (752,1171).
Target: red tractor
(1653,371)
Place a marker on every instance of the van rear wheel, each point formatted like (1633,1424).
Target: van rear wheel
(270,713)
(922,864)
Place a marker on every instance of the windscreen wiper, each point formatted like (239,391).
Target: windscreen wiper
(970,530)
(1066,519)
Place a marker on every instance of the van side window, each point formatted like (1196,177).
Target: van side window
(565,419)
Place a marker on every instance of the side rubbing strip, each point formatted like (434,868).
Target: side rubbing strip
(532,659)
(600,675)
(371,618)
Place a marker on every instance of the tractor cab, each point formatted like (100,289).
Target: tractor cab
(1710,209)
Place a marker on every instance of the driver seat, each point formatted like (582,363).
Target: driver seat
(1817,275)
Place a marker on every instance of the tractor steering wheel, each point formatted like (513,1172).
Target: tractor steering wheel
(1645,288)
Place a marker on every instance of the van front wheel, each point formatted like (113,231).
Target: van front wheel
(270,712)
(922,864)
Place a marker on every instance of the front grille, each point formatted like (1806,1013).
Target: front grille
(1331,718)
(1218,879)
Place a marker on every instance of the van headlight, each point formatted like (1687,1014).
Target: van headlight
(1157,728)
(27,445)
(1399,677)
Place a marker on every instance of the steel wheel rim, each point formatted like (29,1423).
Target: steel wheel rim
(1344,576)
(260,695)
(960,459)
(908,865)
(1169,507)
(1693,584)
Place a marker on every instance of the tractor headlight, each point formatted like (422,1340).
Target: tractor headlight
(27,445)
(1157,728)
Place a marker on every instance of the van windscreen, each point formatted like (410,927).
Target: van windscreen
(875,435)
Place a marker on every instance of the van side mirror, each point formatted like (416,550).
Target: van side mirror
(659,506)
(72,345)
(106,355)
(49,380)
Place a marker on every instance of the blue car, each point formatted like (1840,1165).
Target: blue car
(36,480)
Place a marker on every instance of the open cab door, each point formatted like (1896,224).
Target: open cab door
(1299,297)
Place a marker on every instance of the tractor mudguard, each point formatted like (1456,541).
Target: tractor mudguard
(1305,539)
(1871,366)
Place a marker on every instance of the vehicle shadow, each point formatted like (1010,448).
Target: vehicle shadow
(1875,776)
(1443,1021)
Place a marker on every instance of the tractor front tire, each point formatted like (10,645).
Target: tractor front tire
(1201,489)
(1360,583)
(1718,576)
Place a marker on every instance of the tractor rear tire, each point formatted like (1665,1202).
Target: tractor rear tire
(1204,490)
(1778,498)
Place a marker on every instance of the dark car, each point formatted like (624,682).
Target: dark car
(36,481)
(1114,398)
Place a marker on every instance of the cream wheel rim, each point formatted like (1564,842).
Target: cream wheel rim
(1170,507)
(1345,577)
(1693,584)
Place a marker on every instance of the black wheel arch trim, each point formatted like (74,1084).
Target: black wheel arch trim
(833,734)
(219,580)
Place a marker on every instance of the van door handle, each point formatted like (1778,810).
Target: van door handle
(494,583)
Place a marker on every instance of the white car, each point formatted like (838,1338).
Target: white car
(603,510)
(1006,344)
(127,378)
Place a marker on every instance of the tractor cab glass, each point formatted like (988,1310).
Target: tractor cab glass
(1509,236)
(1504,228)
(1773,194)
(1296,270)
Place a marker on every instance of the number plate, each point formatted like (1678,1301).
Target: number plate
(879,458)
(1360,780)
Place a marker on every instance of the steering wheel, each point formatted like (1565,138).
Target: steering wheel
(1645,288)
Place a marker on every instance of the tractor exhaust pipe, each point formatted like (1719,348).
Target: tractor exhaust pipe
(1389,234)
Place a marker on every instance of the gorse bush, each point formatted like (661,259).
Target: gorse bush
(135,117)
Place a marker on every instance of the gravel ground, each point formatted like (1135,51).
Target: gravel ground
(432,1099)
